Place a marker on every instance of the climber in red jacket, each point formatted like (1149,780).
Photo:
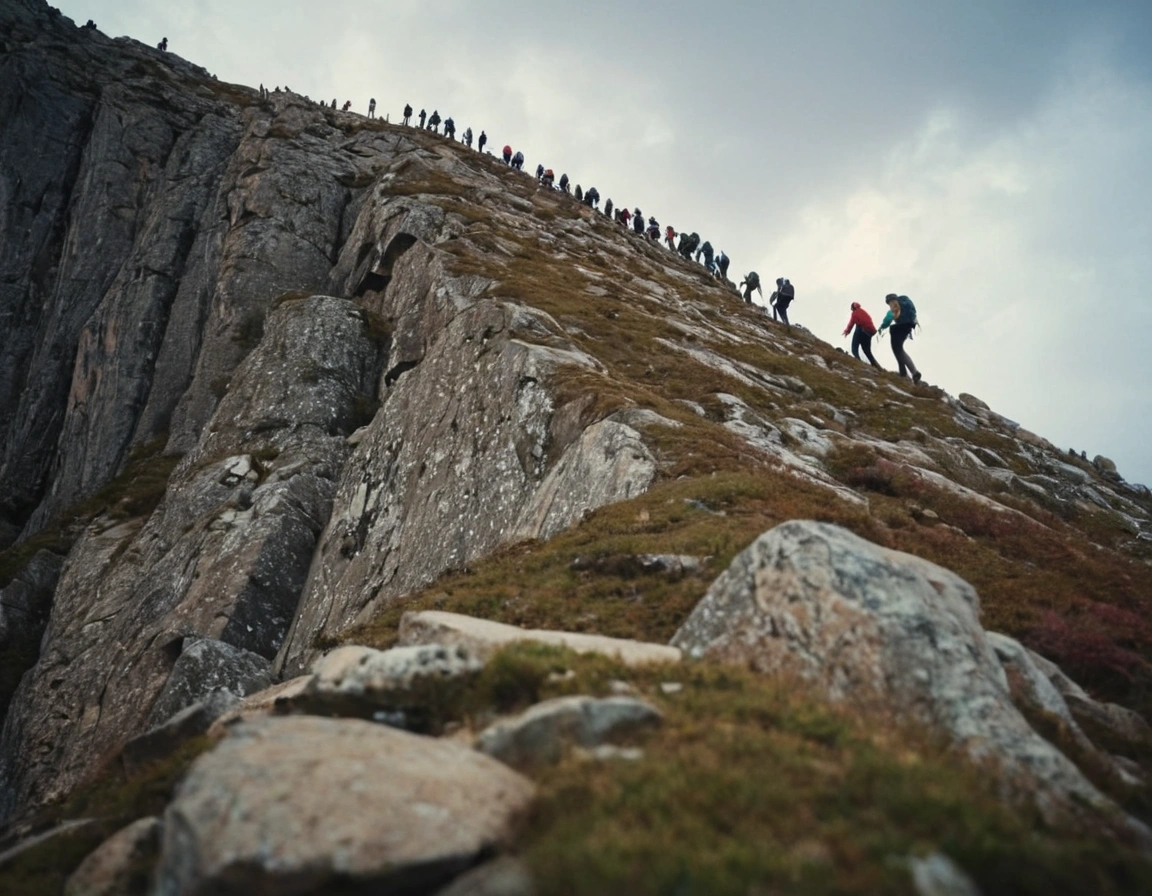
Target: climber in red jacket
(865,330)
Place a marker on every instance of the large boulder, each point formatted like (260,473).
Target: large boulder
(302,804)
(865,623)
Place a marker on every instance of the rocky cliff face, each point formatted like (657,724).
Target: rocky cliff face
(362,364)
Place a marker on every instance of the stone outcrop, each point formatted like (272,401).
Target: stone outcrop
(223,557)
(394,686)
(542,733)
(298,805)
(867,623)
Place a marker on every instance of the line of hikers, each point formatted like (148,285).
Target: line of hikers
(901,316)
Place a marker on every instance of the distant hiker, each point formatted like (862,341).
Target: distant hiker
(670,237)
(751,282)
(654,230)
(579,194)
(163,45)
(592,197)
(434,122)
(781,299)
(608,208)
(483,140)
(507,155)
(333,103)
(901,317)
(468,137)
(706,251)
(449,128)
(347,105)
(865,330)
(518,161)
(638,222)
(540,172)
(423,115)
(548,179)
(722,264)
(90,25)
(682,246)
(372,108)
(564,183)
(625,216)
(407,113)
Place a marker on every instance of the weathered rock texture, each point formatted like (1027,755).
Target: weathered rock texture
(298,805)
(372,357)
(865,623)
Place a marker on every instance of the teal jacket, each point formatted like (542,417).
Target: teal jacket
(889,319)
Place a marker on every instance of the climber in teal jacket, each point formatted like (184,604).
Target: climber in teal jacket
(901,317)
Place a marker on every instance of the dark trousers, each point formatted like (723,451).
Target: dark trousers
(781,308)
(900,333)
(862,340)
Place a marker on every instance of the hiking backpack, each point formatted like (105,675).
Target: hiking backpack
(907,311)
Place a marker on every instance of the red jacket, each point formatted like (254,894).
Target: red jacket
(861,319)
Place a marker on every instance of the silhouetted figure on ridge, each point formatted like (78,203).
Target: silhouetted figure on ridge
(163,45)
(751,282)
(468,137)
(372,108)
(564,182)
(483,140)
(434,122)
(423,115)
(407,113)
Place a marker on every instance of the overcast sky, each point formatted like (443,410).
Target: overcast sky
(992,159)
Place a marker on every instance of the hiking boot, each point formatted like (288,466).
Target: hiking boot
(916,377)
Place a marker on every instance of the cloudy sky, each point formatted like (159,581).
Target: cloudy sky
(992,159)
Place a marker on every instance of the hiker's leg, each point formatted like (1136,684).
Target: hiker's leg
(898,337)
(866,344)
(857,340)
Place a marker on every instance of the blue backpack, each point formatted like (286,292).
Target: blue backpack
(907,311)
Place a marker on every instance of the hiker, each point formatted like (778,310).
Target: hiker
(518,161)
(579,194)
(722,265)
(564,183)
(507,153)
(90,25)
(670,237)
(372,108)
(592,197)
(751,282)
(540,173)
(781,299)
(163,45)
(625,216)
(468,137)
(434,121)
(423,115)
(608,209)
(865,330)
(407,113)
(548,179)
(638,222)
(483,140)
(901,317)
(449,128)
(706,251)
(654,230)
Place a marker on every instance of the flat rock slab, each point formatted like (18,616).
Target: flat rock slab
(541,733)
(293,805)
(206,665)
(486,638)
